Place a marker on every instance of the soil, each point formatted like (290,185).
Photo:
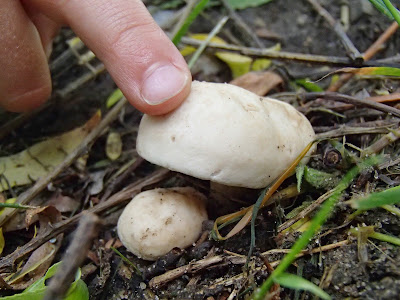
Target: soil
(360,269)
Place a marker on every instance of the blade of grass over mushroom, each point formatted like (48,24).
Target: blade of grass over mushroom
(316,223)
(189,20)
(299,283)
(386,197)
(248,212)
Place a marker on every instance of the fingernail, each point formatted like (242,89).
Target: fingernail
(163,83)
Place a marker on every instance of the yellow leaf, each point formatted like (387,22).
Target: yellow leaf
(115,96)
(38,160)
(201,37)
(261,64)
(300,226)
(2,242)
(239,64)
(113,145)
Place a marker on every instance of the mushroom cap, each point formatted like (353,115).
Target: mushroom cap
(156,221)
(226,134)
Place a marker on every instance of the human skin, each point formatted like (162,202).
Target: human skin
(142,60)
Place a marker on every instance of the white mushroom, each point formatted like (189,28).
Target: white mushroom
(226,134)
(156,221)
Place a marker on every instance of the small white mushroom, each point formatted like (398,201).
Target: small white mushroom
(156,221)
(226,134)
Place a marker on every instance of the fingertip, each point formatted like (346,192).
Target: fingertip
(164,87)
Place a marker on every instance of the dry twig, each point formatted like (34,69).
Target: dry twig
(236,259)
(73,257)
(351,50)
(371,51)
(282,55)
(352,100)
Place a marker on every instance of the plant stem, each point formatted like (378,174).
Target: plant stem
(385,238)
(395,13)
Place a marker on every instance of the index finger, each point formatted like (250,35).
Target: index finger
(144,63)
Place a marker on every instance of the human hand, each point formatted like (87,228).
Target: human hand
(141,59)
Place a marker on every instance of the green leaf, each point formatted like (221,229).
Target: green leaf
(320,179)
(308,85)
(114,98)
(299,283)
(299,175)
(242,4)
(77,291)
(386,197)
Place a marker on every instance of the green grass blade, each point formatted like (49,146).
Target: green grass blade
(393,11)
(308,85)
(386,197)
(189,20)
(256,208)
(127,261)
(379,5)
(203,45)
(242,4)
(299,283)
(385,238)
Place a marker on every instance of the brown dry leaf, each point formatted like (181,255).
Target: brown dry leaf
(36,266)
(32,215)
(63,203)
(40,259)
(267,34)
(259,83)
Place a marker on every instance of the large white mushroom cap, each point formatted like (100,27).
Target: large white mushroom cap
(156,221)
(226,134)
